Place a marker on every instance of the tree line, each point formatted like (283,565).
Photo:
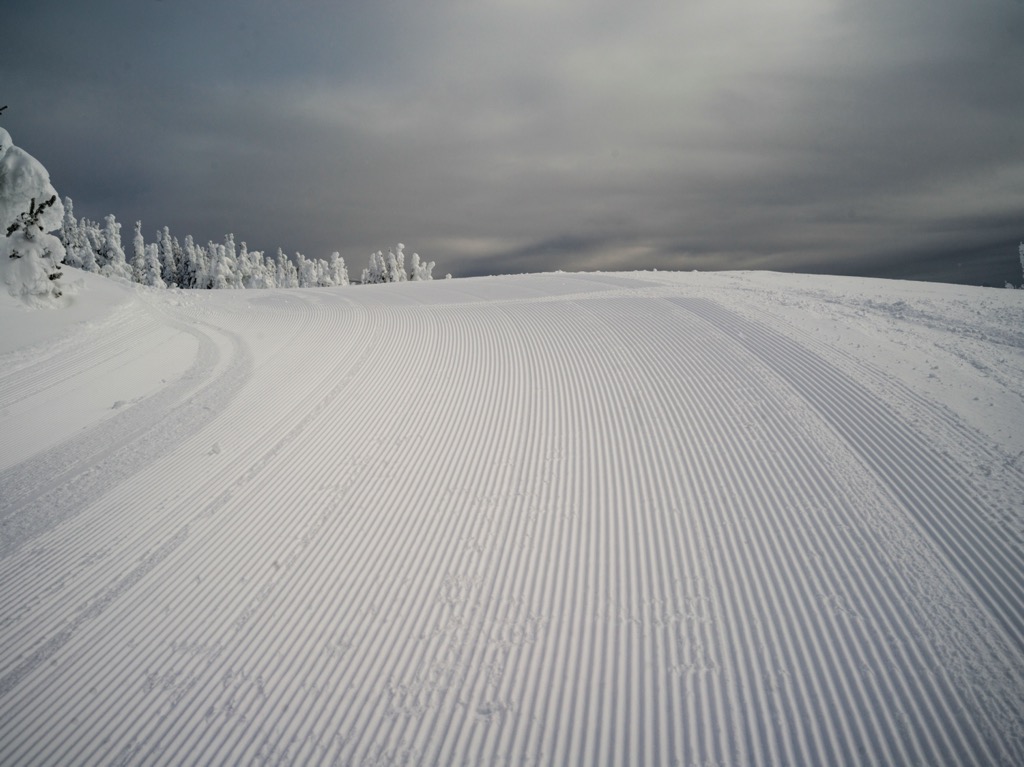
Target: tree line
(167,262)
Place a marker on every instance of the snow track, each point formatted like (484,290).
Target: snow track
(557,519)
(59,482)
(929,485)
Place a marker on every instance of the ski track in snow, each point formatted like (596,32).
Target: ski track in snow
(929,485)
(51,487)
(558,519)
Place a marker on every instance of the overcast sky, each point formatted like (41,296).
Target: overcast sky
(872,137)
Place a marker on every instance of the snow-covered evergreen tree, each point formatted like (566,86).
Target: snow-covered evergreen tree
(193,265)
(391,268)
(307,271)
(287,274)
(168,267)
(323,274)
(279,266)
(112,256)
(179,256)
(253,268)
(205,259)
(257,275)
(151,271)
(30,256)
(269,272)
(396,264)
(244,265)
(71,236)
(92,233)
(216,274)
(291,274)
(338,271)
(230,264)
(421,270)
(139,254)
(88,238)
(374,273)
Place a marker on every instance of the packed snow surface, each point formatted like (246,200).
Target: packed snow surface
(697,519)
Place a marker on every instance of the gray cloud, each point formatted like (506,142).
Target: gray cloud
(496,136)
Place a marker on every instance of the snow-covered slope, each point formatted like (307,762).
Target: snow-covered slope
(656,518)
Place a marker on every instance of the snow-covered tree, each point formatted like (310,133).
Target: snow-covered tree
(71,236)
(193,264)
(314,272)
(261,271)
(396,264)
(323,274)
(92,248)
(338,271)
(253,268)
(151,272)
(287,274)
(421,270)
(168,266)
(115,263)
(307,271)
(138,254)
(244,265)
(391,268)
(230,263)
(33,256)
(269,272)
(92,233)
(30,256)
(179,256)
(374,273)
(218,273)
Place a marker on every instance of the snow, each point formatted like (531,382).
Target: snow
(29,208)
(645,518)
(22,178)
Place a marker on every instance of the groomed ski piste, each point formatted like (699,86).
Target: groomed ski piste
(565,519)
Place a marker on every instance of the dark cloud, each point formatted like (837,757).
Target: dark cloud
(501,136)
